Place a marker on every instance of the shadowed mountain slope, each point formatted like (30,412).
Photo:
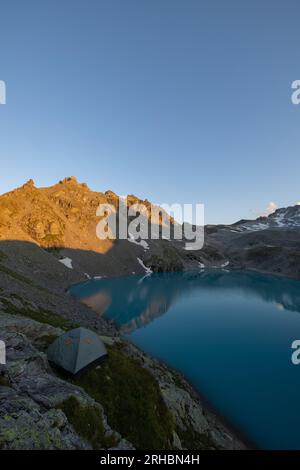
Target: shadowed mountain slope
(61,221)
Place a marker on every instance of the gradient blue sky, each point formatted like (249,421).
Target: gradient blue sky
(174,100)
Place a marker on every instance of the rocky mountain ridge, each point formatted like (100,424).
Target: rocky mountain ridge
(267,244)
(285,217)
(61,220)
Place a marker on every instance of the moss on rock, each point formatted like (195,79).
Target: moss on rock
(87,422)
(131,399)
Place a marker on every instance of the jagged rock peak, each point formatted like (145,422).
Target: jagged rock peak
(72,180)
(109,192)
(28,184)
(69,179)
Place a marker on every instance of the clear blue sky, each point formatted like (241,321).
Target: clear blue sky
(174,100)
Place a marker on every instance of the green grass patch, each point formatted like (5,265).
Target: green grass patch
(20,277)
(264,252)
(4,381)
(15,275)
(294,253)
(3,256)
(87,422)
(41,315)
(131,399)
(169,261)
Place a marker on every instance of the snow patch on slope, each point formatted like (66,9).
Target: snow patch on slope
(147,270)
(67,262)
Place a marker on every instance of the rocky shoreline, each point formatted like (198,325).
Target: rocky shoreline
(37,408)
(32,394)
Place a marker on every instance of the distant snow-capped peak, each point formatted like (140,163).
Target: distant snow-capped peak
(285,217)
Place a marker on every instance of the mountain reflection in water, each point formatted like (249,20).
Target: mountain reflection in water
(229,333)
(134,301)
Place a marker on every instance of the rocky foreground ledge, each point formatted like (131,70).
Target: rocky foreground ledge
(131,401)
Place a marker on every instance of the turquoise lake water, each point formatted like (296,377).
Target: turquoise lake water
(229,333)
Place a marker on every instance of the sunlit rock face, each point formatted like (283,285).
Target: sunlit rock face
(63,219)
